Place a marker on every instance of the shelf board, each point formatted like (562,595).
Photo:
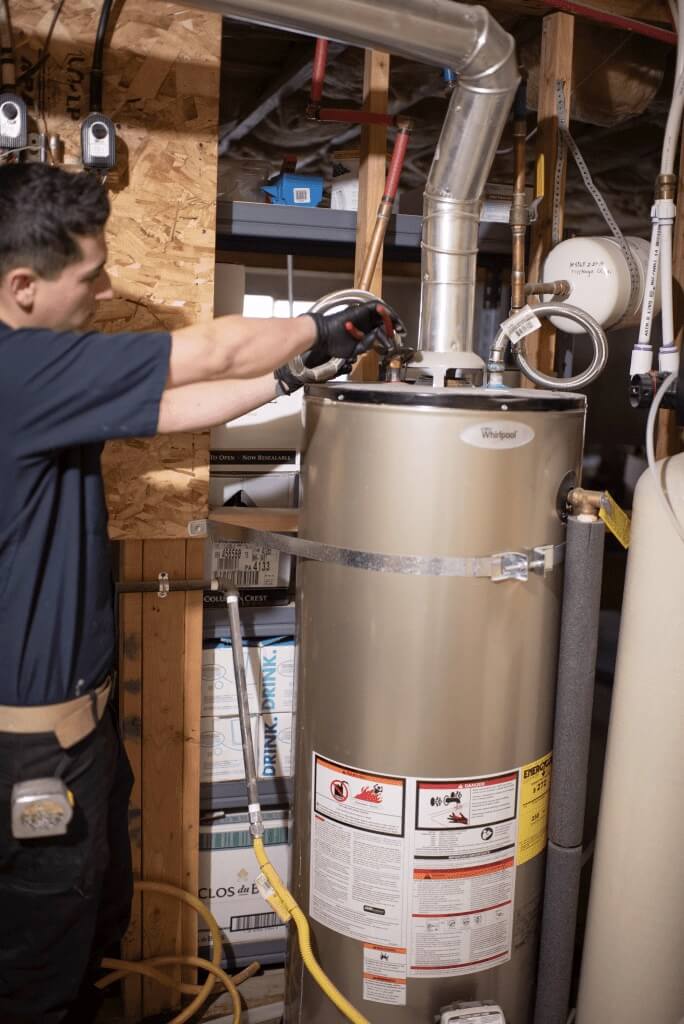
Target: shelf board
(272,520)
(314,230)
(229,796)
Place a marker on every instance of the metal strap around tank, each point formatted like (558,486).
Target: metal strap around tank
(505,565)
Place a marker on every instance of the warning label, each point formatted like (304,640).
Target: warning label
(384,974)
(358,853)
(462,919)
(421,871)
(535,790)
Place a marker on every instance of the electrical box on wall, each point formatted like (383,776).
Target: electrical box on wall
(13,121)
(98,142)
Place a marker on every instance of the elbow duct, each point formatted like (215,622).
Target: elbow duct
(447,34)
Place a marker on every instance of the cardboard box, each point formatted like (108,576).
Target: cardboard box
(219,694)
(276,674)
(266,489)
(221,757)
(251,565)
(275,746)
(227,873)
(268,436)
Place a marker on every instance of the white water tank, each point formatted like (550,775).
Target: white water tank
(598,274)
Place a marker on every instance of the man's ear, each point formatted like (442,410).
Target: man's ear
(21,283)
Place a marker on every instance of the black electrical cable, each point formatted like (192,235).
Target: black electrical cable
(98,56)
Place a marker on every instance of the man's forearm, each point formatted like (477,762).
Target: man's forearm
(197,406)
(236,347)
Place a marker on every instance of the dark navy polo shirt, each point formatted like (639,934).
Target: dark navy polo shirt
(61,396)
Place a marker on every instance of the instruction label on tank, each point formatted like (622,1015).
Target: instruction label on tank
(422,871)
(358,853)
(535,789)
(463,874)
(384,974)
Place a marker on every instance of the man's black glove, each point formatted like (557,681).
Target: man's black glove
(345,335)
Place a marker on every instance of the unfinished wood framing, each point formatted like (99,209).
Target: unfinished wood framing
(555,65)
(372,172)
(161,83)
(159,700)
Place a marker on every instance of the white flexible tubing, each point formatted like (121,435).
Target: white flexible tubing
(666,297)
(650,451)
(673,125)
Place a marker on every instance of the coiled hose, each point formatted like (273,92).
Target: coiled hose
(148,968)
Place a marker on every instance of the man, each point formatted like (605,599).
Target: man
(64,899)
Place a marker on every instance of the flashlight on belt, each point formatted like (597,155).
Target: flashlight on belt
(41,808)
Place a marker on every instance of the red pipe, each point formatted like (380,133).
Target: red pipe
(353,116)
(396,163)
(318,73)
(641,28)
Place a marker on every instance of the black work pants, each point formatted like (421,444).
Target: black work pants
(64,901)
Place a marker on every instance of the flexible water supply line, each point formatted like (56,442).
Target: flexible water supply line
(148,968)
(274,890)
(496,366)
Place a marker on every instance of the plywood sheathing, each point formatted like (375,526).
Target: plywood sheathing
(161,84)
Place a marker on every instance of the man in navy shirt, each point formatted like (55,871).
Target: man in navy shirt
(64,391)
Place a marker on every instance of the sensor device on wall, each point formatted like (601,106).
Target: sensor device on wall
(98,142)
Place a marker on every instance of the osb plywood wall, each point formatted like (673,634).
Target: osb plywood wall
(161,85)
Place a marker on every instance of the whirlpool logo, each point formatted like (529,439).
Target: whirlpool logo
(498,434)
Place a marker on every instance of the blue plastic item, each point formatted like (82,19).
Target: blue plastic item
(295,189)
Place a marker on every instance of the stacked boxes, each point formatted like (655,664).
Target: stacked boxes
(227,874)
(269,669)
(254,463)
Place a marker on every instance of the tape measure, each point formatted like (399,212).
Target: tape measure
(567,143)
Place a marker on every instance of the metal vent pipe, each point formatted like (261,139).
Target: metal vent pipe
(448,34)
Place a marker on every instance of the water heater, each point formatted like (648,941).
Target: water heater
(426,676)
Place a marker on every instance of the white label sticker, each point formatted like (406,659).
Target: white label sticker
(521,324)
(245,565)
(498,434)
(462,919)
(420,868)
(384,974)
(302,195)
(358,853)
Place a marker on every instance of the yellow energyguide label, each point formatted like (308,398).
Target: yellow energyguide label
(535,788)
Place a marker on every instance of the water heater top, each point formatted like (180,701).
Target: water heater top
(499,399)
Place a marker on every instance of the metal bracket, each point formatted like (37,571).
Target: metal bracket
(198,528)
(164,587)
(517,565)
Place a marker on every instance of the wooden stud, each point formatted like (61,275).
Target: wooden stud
(163,754)
(642,10)
(130,716)
(669,436)
(555,65)
(372,174)
(192,680)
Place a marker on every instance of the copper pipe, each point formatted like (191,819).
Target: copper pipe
(518,219)
(559,288)
(385,208)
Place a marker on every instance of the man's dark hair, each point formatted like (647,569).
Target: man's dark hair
(43,210)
